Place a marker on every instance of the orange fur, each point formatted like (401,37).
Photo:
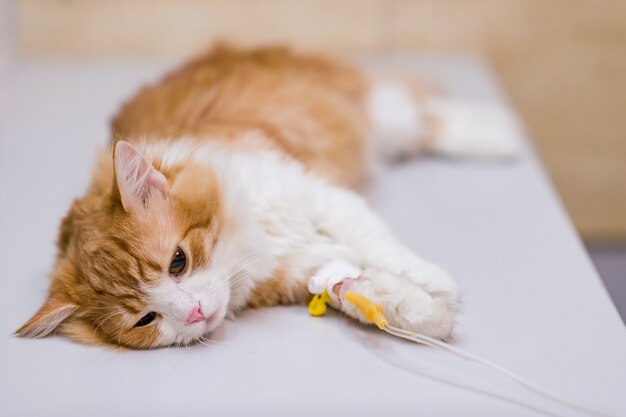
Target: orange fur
(106,253)
(279,290)
(308,106)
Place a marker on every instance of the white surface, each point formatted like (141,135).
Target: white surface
(533,302)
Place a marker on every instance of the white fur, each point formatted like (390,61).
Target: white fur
(397,122)
(300,223)
(460,128)
(282,216)
(240,258)
(472,129)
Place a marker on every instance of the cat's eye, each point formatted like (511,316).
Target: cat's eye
(147,319)
(178,263)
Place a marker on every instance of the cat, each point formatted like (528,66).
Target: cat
(232,181)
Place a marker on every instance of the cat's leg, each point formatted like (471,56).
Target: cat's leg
(406,122)
(345,217)
(416,295)
(472,129)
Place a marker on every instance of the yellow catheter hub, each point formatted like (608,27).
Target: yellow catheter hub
(372,312)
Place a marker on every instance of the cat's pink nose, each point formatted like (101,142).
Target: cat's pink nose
(195,315)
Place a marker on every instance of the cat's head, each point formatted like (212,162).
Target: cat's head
(150,256)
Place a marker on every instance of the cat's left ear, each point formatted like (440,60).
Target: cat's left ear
(51,314)
(136,179)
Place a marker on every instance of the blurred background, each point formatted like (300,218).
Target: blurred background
(561,62)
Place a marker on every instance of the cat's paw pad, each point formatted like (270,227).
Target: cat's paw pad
(475,130)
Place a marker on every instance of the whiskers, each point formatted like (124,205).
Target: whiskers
(231,345)
(118,311)
(243,263)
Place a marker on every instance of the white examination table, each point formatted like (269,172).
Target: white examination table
(532,300)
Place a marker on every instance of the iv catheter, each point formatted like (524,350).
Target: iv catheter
(374,314)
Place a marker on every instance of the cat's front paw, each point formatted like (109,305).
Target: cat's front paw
(406,304)
(434,280)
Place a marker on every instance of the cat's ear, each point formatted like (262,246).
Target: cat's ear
(136,179)
(51,314)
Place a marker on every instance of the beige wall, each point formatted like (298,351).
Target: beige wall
(563,62)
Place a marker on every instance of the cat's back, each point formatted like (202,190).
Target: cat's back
(304,105)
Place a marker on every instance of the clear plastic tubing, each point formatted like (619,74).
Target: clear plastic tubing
(429,341)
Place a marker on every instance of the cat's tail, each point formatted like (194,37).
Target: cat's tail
(407,121)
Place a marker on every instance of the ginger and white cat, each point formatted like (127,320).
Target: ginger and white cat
(228,186)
